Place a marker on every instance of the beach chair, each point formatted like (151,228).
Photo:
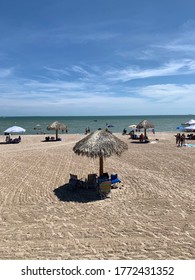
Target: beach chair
(92,181)
(115,179)
(75,183)
(73,180)
(105,189)
(103,178)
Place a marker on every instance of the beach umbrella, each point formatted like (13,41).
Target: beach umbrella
(133,125)
(180,127)
(190,128)
(145,124)
(191,122)
(38,126)
(56,126)
(15,129)
(102,144)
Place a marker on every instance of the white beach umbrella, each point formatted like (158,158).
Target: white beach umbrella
(190,122)
(15,129)
(133,125)
(190,128)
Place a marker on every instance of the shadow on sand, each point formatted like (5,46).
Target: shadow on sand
(3,143)
(7,143)
(67,193)
(138,142)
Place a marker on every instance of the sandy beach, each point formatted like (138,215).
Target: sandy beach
(151,217)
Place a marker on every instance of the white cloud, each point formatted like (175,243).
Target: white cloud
(168,93)
(168,69)
(92,95)
(152,99)
(80,70)
(5,72)
(57,72)
(180,47)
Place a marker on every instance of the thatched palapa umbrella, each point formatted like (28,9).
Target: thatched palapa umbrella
(145,124)
(100,144)
(56,126)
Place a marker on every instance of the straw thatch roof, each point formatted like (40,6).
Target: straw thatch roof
(145,124)
(100,144)
(56,126)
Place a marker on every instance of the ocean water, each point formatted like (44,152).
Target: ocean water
(78,124)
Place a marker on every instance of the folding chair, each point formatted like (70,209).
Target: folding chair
(115,179)
(92,181)
(73,180)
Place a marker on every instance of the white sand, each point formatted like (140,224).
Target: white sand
(151,217)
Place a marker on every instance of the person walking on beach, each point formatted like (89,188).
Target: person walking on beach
(178,139)
(182,140)
(141,138)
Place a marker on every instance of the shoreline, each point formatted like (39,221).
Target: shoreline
(78,124)
(115,133)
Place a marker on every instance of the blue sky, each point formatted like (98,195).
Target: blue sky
(97,57)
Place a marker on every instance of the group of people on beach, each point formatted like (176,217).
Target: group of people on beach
(180,139)
(8,139)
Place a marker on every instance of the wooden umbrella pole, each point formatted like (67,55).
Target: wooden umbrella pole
(101,166)
(56,134)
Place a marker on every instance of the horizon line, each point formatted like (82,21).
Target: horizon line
(30,116)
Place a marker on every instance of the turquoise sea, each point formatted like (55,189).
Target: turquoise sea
(78,124)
